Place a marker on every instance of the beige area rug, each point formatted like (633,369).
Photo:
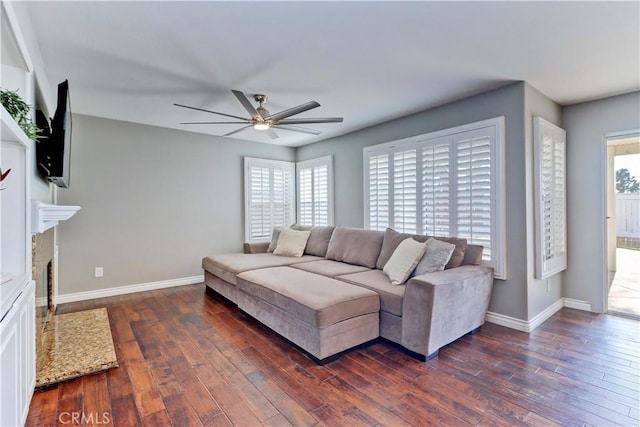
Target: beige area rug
(75,344)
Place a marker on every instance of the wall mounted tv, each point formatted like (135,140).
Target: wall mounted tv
(53,148)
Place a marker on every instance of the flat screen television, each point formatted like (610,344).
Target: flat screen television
(53,149)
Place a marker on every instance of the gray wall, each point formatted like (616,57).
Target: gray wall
(540,294)
(586,125)
(509,296)
(154,202)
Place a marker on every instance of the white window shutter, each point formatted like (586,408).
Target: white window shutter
(473,201)
(268,197)
(550,194)
(315,191)
(378,192)
(305,196)
(436,188)
(405,191)
(445,183)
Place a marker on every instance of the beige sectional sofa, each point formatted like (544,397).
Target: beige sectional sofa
(336,295)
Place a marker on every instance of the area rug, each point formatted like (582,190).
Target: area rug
(75,344)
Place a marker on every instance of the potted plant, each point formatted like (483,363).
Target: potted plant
(20,111)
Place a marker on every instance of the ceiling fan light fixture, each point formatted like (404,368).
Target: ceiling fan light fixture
(261,126)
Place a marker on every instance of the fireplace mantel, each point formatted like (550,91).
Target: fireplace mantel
(44,215)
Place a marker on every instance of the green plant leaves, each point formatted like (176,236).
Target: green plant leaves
(20,111)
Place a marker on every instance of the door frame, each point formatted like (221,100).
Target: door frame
(605,235)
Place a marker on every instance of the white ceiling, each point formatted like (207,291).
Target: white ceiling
(366,61)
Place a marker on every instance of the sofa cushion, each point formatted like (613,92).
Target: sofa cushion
(317,300)
(355,246)
(436,256)
(329,268)
(390,295)
(226,266)
(291,243)
(318,242)
(392,239)
(404,260)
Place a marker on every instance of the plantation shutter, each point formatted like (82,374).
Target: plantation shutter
(405,190)
(448,183)
(321,195)
(550,191)
(473,201)
(268,197)
(378,197)
(305,196)
(315,192)
(436,188)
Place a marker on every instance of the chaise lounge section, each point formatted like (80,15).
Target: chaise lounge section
(336,295)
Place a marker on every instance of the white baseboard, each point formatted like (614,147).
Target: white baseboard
(545,314)
(577,304)
(507,321)
(128,289)
(530,325)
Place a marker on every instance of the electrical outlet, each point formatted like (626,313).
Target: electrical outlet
(548,286)
(99,272)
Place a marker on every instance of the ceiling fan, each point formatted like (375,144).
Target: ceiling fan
(263,120)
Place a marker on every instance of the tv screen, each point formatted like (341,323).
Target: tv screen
(59,143)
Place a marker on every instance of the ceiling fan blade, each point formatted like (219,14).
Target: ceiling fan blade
(212,112)
(316,120)
(272,134)
(247,105)
(293,111)
(298,129)
(213,123)
(236,131)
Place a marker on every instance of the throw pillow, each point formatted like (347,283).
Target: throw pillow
(403,260)
(291,243)
(274,238)
(436,256)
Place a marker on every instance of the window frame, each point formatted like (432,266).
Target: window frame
(498,190)
(310,164)
(289,167)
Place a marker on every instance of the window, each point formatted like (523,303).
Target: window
(550,194)
(446,183)
(315,191)
(269,197)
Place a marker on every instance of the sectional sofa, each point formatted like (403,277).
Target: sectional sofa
(336,295)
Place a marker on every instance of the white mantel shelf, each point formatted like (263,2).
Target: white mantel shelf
(44,215)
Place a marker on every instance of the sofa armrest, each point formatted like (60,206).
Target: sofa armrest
(440,307)
(255,248)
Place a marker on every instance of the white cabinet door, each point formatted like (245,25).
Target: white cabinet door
(17,359)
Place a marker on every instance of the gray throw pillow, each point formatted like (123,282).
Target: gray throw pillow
(435,257)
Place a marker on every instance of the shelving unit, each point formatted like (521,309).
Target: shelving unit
(17,299)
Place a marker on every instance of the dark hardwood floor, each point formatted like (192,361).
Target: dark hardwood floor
(187,359)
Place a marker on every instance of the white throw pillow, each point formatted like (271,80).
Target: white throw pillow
(403,260)
(291,243)
(435,257)
(274,238)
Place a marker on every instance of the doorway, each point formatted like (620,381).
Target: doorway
(623,224)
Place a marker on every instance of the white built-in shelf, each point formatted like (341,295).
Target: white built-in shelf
(10,131)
